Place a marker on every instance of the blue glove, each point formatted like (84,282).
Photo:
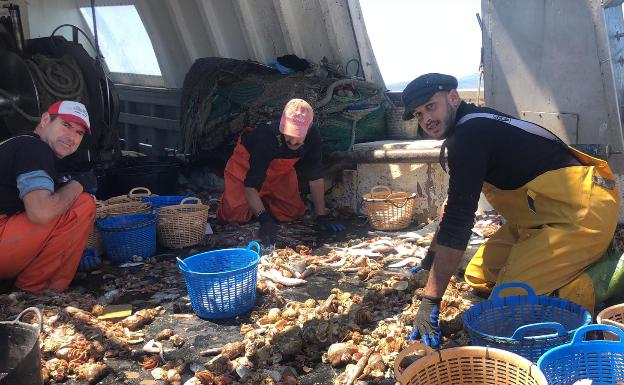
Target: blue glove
(325,223)
(90,260)
(426,326)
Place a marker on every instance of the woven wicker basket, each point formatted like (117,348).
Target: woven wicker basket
(126,208)
(389,210)
(399,128)
(95,238)
(134,195)
(466,365)
(182,225)
(614,316)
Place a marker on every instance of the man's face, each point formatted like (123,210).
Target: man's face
(62,136)
(437,116)
(293,142)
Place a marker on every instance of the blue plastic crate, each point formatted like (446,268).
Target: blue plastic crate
(600,361)
(165,200)
(128,235)
(222,283)
(528,325)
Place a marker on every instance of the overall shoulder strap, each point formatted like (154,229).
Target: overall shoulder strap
(529,127)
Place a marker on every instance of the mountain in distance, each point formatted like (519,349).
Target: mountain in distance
(466,82)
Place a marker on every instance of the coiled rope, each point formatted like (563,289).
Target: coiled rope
(61,77)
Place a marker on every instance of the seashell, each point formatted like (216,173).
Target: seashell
(281,325)
(57,369)
(289,342)
(50,345)
(364,274)
(310,303)
(290,313)
(272,316)
(150,363)
(92,372)
(159,373)
(97,310)
(193,381)
(376,362)
(164,334)
(298,266)
(242,371)
(219,364)
(176,340)
(138,319)
(205,377)
(71,353)
(340,353)
(356,337)
(233,350)
(223,379)
(246,328)
(172,376)
(153,347)
(399,285)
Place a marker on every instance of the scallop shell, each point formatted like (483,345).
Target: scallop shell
(164,334)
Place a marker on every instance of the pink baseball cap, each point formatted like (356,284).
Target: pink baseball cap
(296,118)
(71,112)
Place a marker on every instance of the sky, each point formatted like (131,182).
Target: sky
(412,37)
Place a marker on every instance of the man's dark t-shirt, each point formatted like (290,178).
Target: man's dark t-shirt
(22,155)
(486,150)
(266,143)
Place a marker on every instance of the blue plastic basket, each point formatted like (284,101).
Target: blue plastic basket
(600,361)
(166,200)
(128,235)
(528,325)
(222,283)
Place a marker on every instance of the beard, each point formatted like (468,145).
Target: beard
(449,119)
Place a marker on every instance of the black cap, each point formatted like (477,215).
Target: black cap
(421,89)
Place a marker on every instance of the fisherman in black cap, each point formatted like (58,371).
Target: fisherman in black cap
(560,204)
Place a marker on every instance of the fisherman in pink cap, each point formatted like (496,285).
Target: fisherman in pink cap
(261,176)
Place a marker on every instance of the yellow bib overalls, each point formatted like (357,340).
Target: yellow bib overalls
(558,224)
